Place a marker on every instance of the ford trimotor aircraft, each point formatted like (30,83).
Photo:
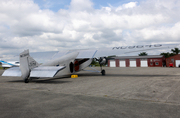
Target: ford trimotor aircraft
(72,61)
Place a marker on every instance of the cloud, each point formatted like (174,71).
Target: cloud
(81,5)
(24,25)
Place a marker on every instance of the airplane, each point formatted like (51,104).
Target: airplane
(72,61)
(9,64)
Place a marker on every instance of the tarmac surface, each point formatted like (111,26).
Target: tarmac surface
(122,92)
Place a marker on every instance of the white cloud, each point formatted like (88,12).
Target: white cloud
(81,5)
(23,25)
(126,6)
(130,5)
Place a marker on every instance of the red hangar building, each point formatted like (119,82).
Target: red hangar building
(173,61)
(138,61)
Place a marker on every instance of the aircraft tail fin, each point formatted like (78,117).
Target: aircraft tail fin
(27,63)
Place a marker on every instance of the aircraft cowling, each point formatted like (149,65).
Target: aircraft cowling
(103,61)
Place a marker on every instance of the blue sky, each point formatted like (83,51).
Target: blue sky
(55,5)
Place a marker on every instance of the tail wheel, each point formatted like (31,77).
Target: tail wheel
(26,81)
(103,72)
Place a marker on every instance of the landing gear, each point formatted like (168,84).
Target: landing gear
(102,61)
(103,72)
(26,81)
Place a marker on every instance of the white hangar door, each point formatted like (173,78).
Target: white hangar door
(144,63)
(132,63)
(122,63)
(112,63)
(177,63)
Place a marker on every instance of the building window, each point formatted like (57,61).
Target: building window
(157,63)
(172,60)
(151,63)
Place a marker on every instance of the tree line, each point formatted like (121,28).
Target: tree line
(173,52)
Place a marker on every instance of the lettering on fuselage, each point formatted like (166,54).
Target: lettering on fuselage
(23,55)
(136,47)
(33,63)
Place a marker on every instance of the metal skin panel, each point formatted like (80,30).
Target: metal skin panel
(42,57)
(85,64)
(104,52)
(14,71)
(27,63)
(58,55)
(63,61)
(86,53)
(45,71)
(24,64)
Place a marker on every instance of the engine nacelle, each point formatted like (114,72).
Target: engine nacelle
(103,61)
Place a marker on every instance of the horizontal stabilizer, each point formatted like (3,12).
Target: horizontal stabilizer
(45,71)
(14,71)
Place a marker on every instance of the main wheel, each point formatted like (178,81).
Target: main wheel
(103,72)
(26,81)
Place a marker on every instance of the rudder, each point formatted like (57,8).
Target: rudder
(26,64)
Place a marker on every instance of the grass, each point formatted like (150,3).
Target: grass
(1,67)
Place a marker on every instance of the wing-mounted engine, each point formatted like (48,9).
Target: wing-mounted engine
(103,61)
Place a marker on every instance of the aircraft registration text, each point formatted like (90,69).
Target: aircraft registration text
(138,46)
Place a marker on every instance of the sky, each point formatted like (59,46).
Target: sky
(52,25)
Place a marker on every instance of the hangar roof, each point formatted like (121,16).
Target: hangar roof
(138,57)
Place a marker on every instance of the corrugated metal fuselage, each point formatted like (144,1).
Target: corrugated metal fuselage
(72,65)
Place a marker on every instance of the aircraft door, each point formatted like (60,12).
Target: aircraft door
(71,67)
(76,65)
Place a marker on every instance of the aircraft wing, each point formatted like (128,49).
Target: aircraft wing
(104,52)
(45,71)
(41,71)
(42,57)
(14,71)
